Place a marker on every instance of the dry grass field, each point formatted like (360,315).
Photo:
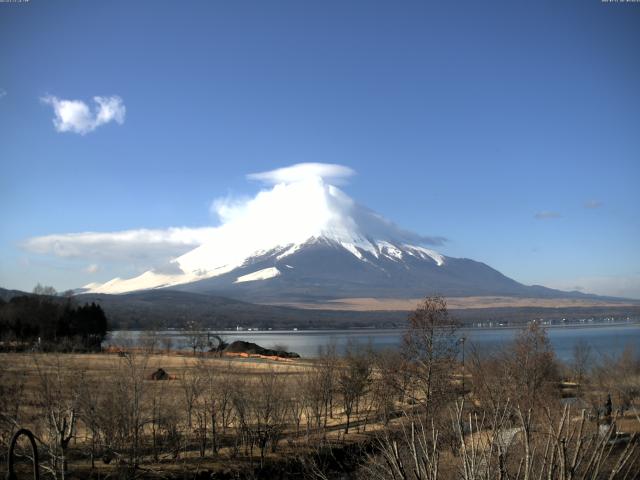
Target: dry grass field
(404,304)
(180,406)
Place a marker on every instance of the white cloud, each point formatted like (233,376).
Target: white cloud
(3,92)
(139,247)
(93,268)
(330,172)
(77,117)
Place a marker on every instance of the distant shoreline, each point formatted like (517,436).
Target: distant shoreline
(175,331)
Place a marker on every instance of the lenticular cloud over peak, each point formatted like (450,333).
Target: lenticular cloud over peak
(329,172)
(300,206)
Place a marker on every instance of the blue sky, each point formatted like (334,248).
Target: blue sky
(510,128)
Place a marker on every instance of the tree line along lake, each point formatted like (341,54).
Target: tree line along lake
(603,339)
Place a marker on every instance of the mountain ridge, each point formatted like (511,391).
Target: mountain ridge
(323,270)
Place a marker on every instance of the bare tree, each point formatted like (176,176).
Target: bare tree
(204,420)
(196,337)
(580,365)
(89,400)
(390,381)
(524,372)
(488,373)
(431,346)
(224,397)
(215,402)
(240,395)
(149,341)
(44,290)
(618,375)
(313,389)
(580,360)
(297,400)
(531,368)
(122,411)
(354,379)
(165,418)
(166,342)
(191,387)
(268,408)
(327,364)
(58,393)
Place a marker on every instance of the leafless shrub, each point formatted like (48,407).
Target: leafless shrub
(507,445)
(410,452)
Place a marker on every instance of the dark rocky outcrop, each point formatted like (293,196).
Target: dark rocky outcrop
(240,346)
(160,374)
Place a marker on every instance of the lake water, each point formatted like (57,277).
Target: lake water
(603,339)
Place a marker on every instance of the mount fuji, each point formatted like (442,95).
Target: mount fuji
(304,239)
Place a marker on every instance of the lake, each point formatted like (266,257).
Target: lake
(603,339)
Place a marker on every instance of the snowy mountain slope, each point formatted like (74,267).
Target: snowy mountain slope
(280,222)
(263,274)
(323,269)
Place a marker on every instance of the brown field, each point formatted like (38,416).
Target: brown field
(99,371)
(99,365)
(404,304)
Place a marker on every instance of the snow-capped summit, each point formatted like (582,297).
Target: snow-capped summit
(299,210)
(289,216)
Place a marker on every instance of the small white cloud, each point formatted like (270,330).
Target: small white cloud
(330,172)
(3,92)
(141,247)
(77,117)
(93,268)
(546,215)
